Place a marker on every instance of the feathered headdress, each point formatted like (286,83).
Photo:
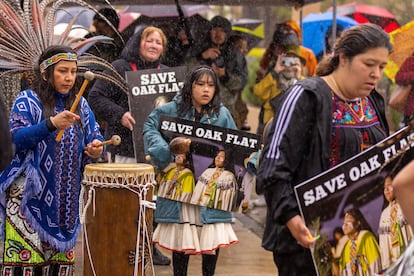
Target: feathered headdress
(27,29)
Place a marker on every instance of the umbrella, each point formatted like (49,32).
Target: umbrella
(76,31)
(369,14)
(251,29)
(315,26)
(84,16)
(126,18)
(198,25)
(248,23)
(167,10)
(403,43)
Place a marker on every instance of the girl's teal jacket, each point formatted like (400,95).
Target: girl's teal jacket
(168,211)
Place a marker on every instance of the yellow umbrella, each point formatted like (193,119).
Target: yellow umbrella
(403,43)
(251,29)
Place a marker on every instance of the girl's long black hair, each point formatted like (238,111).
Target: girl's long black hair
(186,103)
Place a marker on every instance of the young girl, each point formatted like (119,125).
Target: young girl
(183,228)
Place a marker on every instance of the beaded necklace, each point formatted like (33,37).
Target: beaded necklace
(357,109)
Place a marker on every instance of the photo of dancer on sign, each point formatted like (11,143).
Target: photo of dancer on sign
(210,164)
(355,200)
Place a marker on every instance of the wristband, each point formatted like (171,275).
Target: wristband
(50,125)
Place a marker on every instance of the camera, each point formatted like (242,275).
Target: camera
(219,61)
(289,61)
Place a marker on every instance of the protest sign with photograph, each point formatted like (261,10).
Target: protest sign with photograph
(353,191)
(148,89)
(219,163)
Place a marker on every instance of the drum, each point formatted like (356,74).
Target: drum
(115,200)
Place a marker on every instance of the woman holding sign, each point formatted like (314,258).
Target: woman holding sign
(110,103)
(320,123)
(184,228)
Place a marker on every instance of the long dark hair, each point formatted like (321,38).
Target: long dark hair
(360,221)
(45,86)
(186,103)
(352,42)
(189,161)
(228,161)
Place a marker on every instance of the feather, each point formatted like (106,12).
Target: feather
(82,46)
(27,29)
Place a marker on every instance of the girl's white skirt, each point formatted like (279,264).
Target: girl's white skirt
(191,236)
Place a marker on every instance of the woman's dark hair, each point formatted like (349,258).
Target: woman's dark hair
(352,42)
(189,161)
(44,85)
(338,230)
(360,221)
(110,14)
(234,38)
(186,103)
(228,160)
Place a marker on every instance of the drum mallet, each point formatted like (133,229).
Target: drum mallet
(115,140)
(88,75)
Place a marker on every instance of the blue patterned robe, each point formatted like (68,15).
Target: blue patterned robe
(53,169)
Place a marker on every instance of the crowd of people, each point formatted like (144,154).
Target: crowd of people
(315,114)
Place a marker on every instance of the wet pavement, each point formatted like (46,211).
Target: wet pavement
(246,258)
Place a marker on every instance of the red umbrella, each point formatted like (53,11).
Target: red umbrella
(126,18)
(362,13)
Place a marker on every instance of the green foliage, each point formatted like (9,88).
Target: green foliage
(247,94)
(394,116)
(395,119)
(322,251)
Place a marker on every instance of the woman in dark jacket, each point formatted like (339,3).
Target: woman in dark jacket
(110,103)
(320,122)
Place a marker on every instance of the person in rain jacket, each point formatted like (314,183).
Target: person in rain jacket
(110,103)
(227,62)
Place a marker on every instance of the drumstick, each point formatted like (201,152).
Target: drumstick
(115,140)
(88,77)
